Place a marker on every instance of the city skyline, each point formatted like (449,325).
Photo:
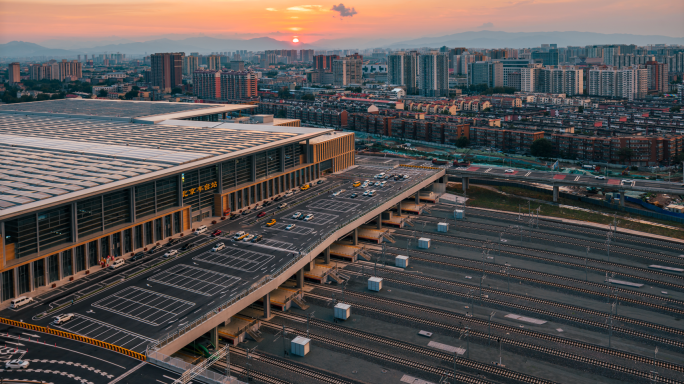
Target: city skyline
(286,20)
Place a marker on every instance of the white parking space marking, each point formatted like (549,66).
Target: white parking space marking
(144,305)
(236,258)
(193,279)
(86,326)
(319,218)
(332,205)
(297,230)
(577,178)
(277,244)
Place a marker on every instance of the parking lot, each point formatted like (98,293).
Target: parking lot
(86,326)
(194,279)
(236,258)
(144,305)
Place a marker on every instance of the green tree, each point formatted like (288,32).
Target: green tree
(102,93)
(542,148)
(284,93)
(625,154)
(135,88)
(309,97)
(462,142)
(130,95)
(580,109)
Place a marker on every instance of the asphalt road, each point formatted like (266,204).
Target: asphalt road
(57,360)
(132,313)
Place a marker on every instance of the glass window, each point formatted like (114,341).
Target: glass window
(158,229)
(104,247)
(144,200)
(21,232)
(7,285)
(23,279)
(208,185)
(167,226)
(53,268)
(239,199)
(38,273)
(177,222)
(252,194)
(274,161)
(67,264)
(261,165)
(127,240)
(89,215)
(92,253)
(244,170)
(138,236)
(167,193)
(228,174)
(116,244)
(190,189)
(148,233)
(117,208)
(79,258)
(54,227)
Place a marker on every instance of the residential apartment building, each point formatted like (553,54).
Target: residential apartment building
(658,77)
(563,79)
(402,69)
(529,77)
(213,62)
(347,71)
(546,58)
(512,66)
(504,139)
(190,65)
(628,83)
(14,73)
(324,63)
(224,85)
(486,72)
(206,84)
(166,70)
(306,55)
(433,75)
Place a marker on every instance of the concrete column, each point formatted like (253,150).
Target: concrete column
(213,337)
(300,278)
(31,284)
(380,221)
(267,305)
(132,208)
(399,208)
(16,282)
(622,198)
(356,236)
(555,193)
(282,159)
(465,181)
(73,258)
(326,255)
(74,223)
(417,197)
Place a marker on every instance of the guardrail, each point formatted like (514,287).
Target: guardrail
(181,366)
(170,337)
(76,337)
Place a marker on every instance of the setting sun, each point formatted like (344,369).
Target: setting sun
(295,40)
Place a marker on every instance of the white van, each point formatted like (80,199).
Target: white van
(20,302)
(117,263)
(201,229)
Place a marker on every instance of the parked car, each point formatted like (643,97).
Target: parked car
(278,198)
(371,193)
(216,233)
(63,318)
(320,182)
(239,235)
(289,227)
(16,364)
(383,184)
(353,195)
(234,216)
(509,171)
(356,184)
(138,256)
(248,238)
(187,246)
(173,242)
(218,247)
(258,207)
(271,223)
(171,253)
(201,229)
(267,203)
(599,177)
(117,263)
(20,302)
(337,193)
(155,249)
(282,205)
(257,238)
(289,194)
(297,215)
(305,187)
(308,217)
(261,214)
(366,192)
(246,211)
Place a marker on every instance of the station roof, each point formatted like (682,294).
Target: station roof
(47,159)
(134,111)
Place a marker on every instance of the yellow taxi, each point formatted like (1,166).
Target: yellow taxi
(357,184)
(271,223)
(304,187)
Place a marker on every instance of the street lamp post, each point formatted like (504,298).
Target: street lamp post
(489,327)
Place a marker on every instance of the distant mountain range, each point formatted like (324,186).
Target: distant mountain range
(207,44)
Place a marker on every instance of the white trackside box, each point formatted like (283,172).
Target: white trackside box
(459,214)
(300,346)
(424,243)
(442,227)
(342,311)
(401,261)
(375,284)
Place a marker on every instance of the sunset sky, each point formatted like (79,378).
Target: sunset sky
(39,20)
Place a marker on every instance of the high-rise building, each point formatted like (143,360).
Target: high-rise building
(166,70)
(609,52)
(433,75)
(402,69)
(489,73)
(224,85)
(324,63)
(213,62)
(237,65)
(347,71)
(14,72)
(512,65)
(190,65)
(627,83)
(658,77)
(206,84)
(568,80)
(40,71)
(306,55)
(546,58)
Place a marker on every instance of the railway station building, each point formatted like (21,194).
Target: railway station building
(81,180)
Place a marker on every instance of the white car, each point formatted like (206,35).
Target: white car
(371,193)
(282,205)
(308,217)
(337,193)
(171,253)
(364,185)
(297,215)
(289,194)
(509,171)
(406,177)
(383,184)
(366,193)
(258,206)
(248,238)
(20,302)
(377,184)
(238,235)
(599,177)
(289,226)
(218,247)
(63,318)
(16,364)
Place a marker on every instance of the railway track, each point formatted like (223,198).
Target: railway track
(516,343)
(571,241)
(537,281)
(288,366)
(566,263)
(442,372)
(503,303)
(259,376)
(674,246)
(467,363)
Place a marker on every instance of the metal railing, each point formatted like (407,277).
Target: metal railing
(178,365)
(170,337)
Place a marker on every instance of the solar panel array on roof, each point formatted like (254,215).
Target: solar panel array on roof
(104,108)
